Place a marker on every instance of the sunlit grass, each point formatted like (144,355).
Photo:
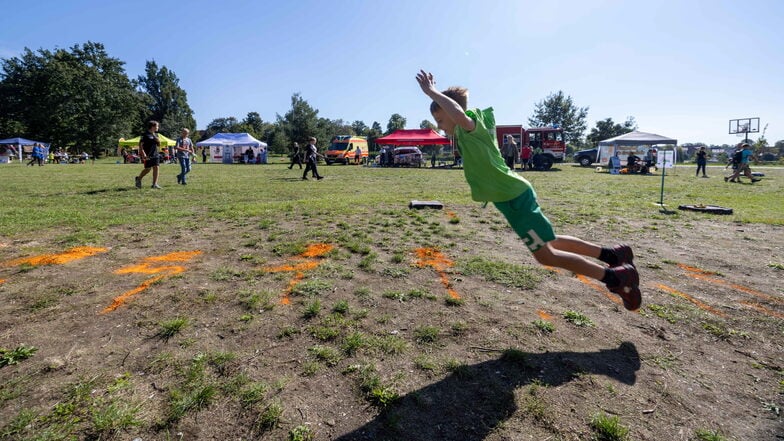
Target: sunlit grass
(86,200)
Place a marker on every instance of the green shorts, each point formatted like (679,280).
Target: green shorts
(526,218)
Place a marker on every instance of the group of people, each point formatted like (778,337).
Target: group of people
(740,161)
(643,166)
(311,156)
(150,155)
(529,157)
(37,155)
(41,155)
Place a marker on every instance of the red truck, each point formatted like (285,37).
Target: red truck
(549,139)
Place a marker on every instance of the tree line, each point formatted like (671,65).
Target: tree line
(82,99)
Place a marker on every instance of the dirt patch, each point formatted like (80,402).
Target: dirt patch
(235,333)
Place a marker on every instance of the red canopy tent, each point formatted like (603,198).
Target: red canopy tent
(413,137)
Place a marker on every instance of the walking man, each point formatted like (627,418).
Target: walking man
(312,158)
(149,153)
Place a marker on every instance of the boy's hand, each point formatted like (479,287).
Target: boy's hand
(426,82)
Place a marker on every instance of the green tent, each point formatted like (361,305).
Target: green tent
(134,142)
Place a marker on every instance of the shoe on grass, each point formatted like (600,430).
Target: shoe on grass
(138,182)
(156,186)
(628,287)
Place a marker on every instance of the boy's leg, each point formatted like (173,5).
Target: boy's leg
(551,256)
(614,256)
(622,280)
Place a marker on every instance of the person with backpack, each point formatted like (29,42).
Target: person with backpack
(742,157)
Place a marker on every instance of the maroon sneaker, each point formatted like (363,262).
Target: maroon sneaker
(624,254)
(628,287)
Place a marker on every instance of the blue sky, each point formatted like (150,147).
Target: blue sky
(681,68)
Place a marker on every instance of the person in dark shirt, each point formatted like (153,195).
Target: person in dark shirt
(702,161)
(149,152)
(311,155)
(296,156)
(632,163)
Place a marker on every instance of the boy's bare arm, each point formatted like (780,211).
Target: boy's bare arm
(448,105)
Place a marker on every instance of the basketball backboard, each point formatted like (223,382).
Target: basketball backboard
(744,126)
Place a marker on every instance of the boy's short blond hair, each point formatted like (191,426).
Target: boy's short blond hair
(185,130)
(456,93)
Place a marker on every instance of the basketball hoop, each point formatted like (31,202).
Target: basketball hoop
(744,126)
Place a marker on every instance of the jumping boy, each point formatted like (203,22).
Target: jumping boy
(491,180)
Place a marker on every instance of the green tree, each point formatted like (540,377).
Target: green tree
(607,128)
(300,122)
(254,125)
(374,133)
(396,121)
(222,125)
(560,109)
(80,99)
(169,102)
(426,124)
(360,128)
(779,147)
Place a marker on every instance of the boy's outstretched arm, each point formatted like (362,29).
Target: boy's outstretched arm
(448,105)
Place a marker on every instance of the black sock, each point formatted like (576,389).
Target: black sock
(610,279)
(608,256)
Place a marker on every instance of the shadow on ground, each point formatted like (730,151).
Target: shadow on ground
(468,404)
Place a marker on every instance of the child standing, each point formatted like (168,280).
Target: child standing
(184,150)
(491,180)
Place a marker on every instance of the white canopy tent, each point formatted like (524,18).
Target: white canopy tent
(230,147)
(638,143)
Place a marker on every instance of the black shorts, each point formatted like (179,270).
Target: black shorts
(152,162)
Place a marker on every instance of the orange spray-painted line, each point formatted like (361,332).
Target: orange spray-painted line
(148,267)
(701,274)
(299,266)
(438,261)
(762,309)
(56,259)
(696,302)
(544,315)
(590,282)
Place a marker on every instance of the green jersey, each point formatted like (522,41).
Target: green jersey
(485,169)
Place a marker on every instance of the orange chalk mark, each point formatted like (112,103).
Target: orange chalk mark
(451,214)
(317,250)
(543,315)
(56,259)
(120,300)
(438,261)
(602,289)
(148,267)
(299,266)
(701,274)
(762,309)
(696,302)
(178,256)
(304,266)
(2,280)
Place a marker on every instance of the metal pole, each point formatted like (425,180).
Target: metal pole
(664,170)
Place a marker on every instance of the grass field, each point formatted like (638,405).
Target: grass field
(84,200)
(251,304)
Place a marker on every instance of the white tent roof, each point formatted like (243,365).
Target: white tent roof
(232,139)
(639,138)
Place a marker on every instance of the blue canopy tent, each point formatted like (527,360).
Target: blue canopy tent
(19,144)
(225,147)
